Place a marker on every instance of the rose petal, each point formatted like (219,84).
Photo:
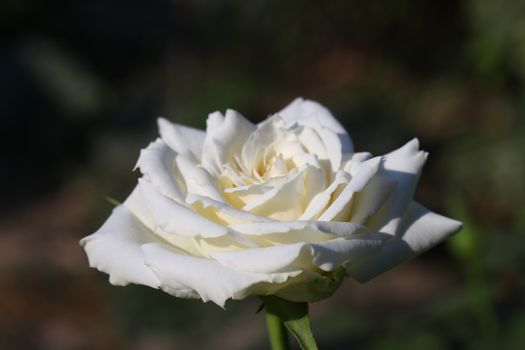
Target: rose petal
(282,202)
(241,195)
(323,142)
(333,228)
(276,167)
(313,143)
(173,218)
(224,138)
(339,210)
(270,131)
(283,258)
(402,166)
(352,162)
(181,139)
(328,256)
(157,164)
(222,213)
(321,200)
(282,232)
(211,280)
(311,286)
(231,176)
(302,255)
(197,179)
(307,112)
(290,232)
(199,235)
(341,229)
(334,147)
(115,249)
(421,229)
(368,201)
(136,204)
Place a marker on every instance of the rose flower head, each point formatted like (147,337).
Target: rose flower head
(284,207)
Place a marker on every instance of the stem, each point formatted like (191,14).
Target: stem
(277,332)
(285,315)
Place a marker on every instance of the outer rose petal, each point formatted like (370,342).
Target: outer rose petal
(290,232)
(402,166)
(421,230)
(115,249)
(211,280)
(282,258)
(181,139)
(174,218)
(136,204)
(370,200)
(157,164)
(311,113)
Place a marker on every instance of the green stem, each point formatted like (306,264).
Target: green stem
(294,316)
(277,332)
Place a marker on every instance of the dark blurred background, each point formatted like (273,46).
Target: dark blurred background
(81,86)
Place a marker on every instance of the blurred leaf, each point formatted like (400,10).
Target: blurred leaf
(467,243)
(516,332)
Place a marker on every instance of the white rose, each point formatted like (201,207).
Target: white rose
(284,207)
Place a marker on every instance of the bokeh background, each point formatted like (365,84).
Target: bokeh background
(81,85)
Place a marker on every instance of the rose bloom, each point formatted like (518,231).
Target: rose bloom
(284,207)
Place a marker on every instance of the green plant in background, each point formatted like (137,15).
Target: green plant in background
(490,257)
(469,248)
